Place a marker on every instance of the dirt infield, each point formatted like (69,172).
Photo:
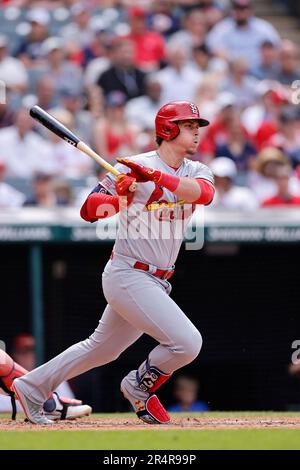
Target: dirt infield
(192,423)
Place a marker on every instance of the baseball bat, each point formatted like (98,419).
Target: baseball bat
(62,131)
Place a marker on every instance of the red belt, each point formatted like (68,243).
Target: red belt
(161,273)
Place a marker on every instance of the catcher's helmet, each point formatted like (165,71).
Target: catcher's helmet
(170,113)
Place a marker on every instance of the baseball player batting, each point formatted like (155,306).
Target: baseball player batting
(136,278)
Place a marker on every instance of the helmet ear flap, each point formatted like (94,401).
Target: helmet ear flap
(168,130)
(165,128)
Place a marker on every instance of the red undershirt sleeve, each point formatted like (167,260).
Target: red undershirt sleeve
(207,192)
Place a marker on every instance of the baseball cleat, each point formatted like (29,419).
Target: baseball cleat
(151,411)
(61,408)
(34,412)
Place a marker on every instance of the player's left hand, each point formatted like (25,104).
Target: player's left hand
(143,173)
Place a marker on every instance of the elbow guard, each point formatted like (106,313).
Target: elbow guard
(99,206)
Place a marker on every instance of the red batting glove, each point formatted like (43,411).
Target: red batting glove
(123,184)
(144,174)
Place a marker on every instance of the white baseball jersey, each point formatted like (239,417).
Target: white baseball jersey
(153,227)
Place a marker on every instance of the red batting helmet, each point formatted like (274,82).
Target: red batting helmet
(170,113)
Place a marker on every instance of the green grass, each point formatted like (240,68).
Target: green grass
(157,439)
(185,439)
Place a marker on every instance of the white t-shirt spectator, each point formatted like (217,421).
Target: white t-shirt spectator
(237,198)
(67,161)
(240,42)
(72,33)
(10,197)
(180,85)
(141,111)
(252,117)
(94,69)
(13,73)
(23,157)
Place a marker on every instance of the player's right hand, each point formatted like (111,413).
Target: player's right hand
(123,183)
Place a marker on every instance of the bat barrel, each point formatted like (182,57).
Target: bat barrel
(53,125)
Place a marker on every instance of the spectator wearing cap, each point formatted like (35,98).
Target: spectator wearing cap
(65,74)
(192,34)
(114,136)
(179,80)
(262,177)
(163,18)
(149,45)
(240,83)
(122,75)
(241,34)
(9,196)
(228,195)
(268,66)
(220,130)
(98,47)
(261,119)
(22,150)
(141,111)
(12,71)
(66,161)
(283,196)
(29,49)
(289,69)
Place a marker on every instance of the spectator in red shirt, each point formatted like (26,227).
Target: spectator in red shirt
(284,197)
(114,136)
(149,45)
(274,101)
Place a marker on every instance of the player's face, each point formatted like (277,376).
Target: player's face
(188,138)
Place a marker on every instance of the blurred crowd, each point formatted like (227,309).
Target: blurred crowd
(104,68)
